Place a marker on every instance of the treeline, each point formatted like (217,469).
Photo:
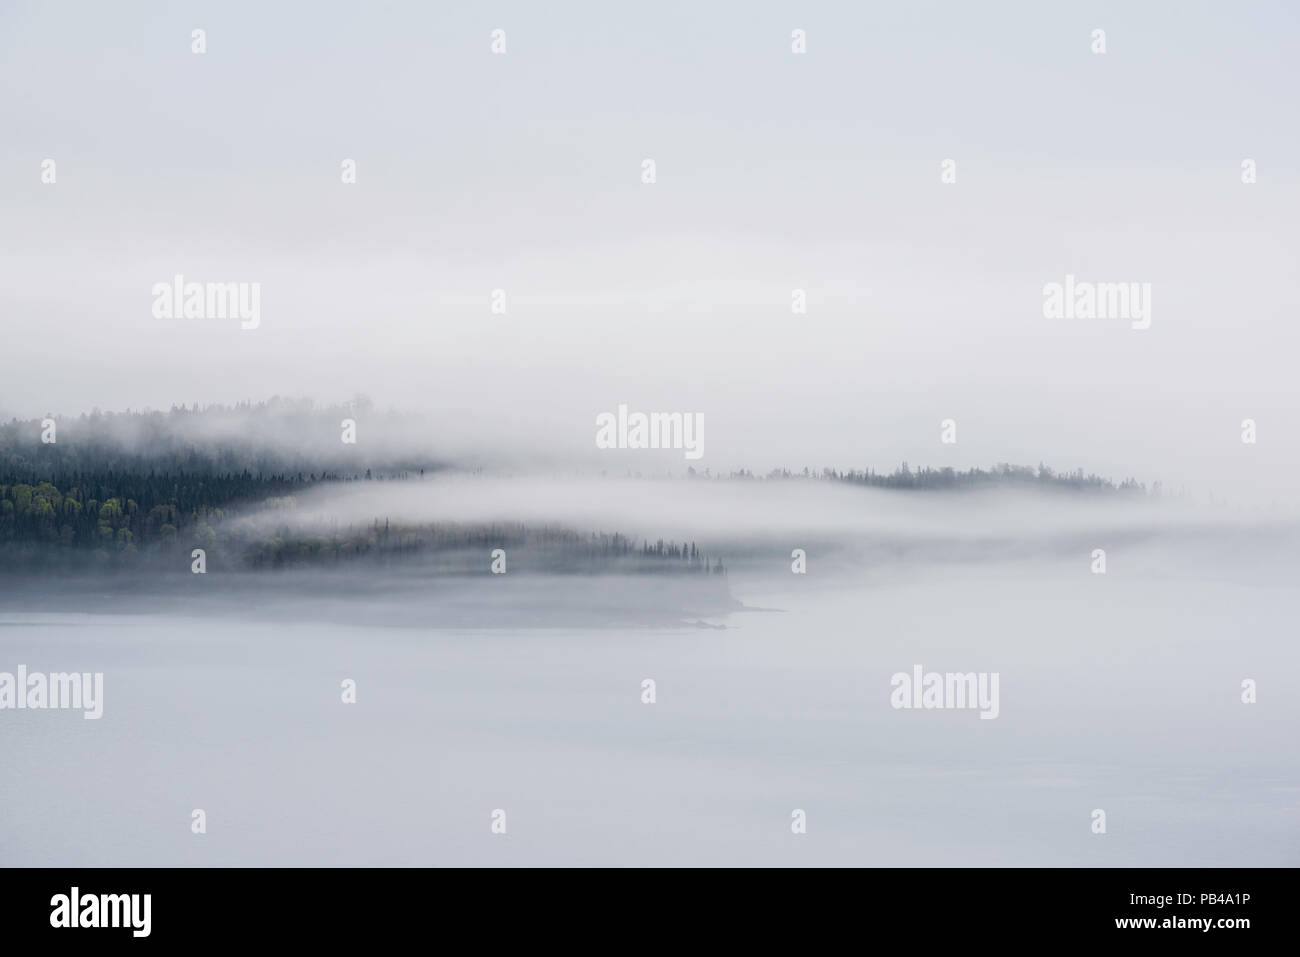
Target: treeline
(151,486)
(278,435)
(905,477)
(455,547)
(125,520)
(120,512)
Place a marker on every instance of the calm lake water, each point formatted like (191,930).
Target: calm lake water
(1119,693)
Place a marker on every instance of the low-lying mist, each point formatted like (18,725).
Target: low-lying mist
(736,518)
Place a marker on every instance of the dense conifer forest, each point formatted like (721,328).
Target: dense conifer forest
(149,487)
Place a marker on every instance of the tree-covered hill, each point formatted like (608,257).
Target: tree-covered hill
(149,487)
(279,436)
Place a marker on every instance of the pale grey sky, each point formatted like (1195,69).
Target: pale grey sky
(775,171)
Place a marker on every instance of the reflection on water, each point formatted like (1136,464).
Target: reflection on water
(1119,692)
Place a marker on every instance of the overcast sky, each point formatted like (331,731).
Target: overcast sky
(775,171)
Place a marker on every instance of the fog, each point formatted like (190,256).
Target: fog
(741,510)
(775,172)
(523,693)
(441,336)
